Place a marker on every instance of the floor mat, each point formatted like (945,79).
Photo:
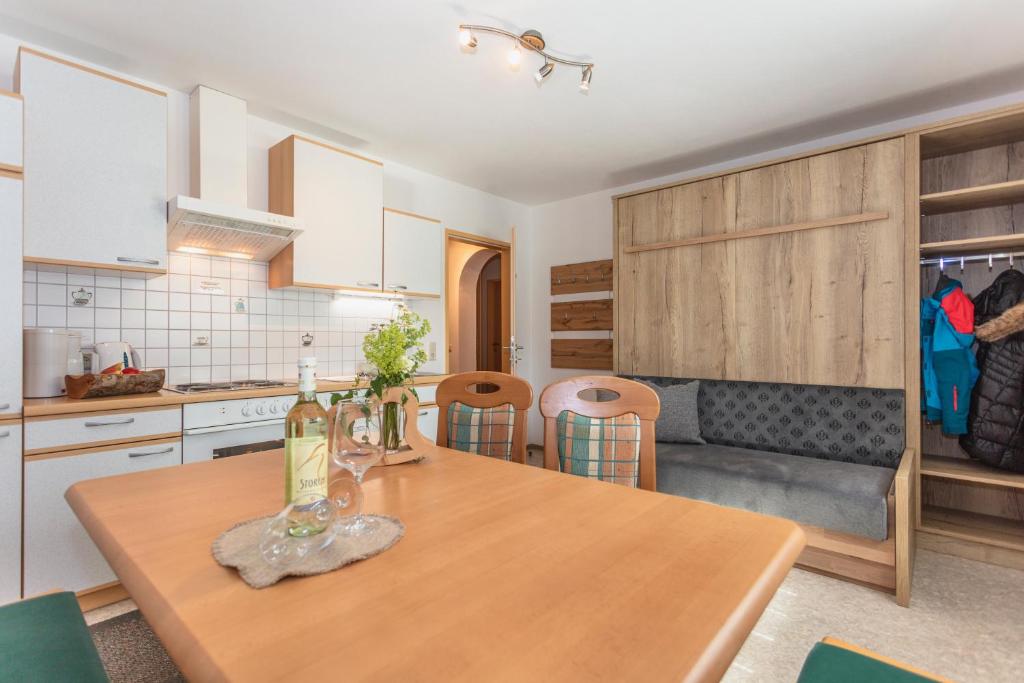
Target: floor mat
(131,652)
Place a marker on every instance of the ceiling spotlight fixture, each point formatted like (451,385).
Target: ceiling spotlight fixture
(585,80)
(544,71)
(467,39)
(531,40)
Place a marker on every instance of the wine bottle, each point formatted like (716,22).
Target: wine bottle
(305,455)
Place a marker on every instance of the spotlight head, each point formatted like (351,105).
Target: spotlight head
(466,38)
(585,79)
(514,56)
(544,72)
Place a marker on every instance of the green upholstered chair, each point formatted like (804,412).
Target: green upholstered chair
(833,661)
(45,639)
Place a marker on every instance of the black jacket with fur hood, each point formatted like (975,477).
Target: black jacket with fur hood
(996,421)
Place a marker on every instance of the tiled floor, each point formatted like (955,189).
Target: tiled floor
(966,622)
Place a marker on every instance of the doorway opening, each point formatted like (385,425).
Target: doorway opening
(478,303)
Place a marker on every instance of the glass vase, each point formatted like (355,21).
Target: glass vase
(392,427)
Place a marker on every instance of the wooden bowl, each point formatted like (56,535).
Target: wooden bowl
(95,386)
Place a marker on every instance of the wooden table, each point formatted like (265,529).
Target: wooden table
(506,572)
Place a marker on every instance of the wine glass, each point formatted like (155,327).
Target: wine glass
(356,446)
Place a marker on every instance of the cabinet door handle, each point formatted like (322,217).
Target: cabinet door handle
(366,283)
(146,261)
(423,412)
(402,287)
(140,454)
(4,406)
(110,423)
(6,432)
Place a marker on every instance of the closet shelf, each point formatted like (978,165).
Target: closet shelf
(962,469)
(973,526)
(968,198)
(973,245)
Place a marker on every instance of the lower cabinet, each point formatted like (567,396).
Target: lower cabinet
(10,511)
(59,555)
(427,422)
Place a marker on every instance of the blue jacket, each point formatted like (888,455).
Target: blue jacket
(949,370)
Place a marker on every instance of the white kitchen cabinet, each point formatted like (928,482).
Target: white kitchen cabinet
(413,254)
(10,131)
(427,422)
(339,197)
(10,293)
(58,551)
(10,511)
(96,156)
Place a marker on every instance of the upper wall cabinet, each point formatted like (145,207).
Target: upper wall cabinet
(11,131)
(339,197)
(413,254)
(96,166)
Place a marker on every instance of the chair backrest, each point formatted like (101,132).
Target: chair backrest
(491,424)
(611,440)
(413,437)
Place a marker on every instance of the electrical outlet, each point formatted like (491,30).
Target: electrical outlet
(432,353)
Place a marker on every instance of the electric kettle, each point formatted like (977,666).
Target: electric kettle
(112,353)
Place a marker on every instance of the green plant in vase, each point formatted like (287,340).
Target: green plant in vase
(395,350)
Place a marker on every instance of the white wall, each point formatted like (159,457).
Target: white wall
(580,229)
(457,206)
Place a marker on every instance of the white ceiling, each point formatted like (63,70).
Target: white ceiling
(677,84)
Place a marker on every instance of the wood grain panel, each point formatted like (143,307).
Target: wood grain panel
(575,278)
(581,315)
(582,354)
(821,306)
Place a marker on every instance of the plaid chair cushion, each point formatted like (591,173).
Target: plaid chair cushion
(602,448)
(485,431)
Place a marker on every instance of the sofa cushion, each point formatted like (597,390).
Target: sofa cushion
(835,495)
(679,419)
(847,424)
(605,448)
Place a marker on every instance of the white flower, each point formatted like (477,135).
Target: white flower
(405,364)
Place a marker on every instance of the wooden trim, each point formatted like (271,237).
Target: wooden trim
(973,244)
(597,276)
(864,652)
(962,469)
(904,483)
(9,93)
(616,367)
(346,288)
(907,484)
(93,264)
(101,596)
(11,171)
(336,149)
(594,314)
(582,354)
(99,411)
(98,446)
(921,129)
(469,237)
(410,214)
(413,295)
(968,198)
(6,418)
(877,575)
(762,232)
(89,69)
(971,550)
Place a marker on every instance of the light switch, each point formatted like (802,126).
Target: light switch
(432,353)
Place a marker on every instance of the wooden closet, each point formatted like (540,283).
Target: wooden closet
(791,272)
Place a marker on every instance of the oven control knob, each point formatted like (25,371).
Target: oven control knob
(261,409)
(285,407)
(273,408)
(246,410)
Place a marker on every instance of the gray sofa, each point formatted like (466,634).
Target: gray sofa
(818,455)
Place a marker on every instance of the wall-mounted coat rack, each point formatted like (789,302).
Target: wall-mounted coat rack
(589,315)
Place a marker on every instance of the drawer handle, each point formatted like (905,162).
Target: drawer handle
(401,287)
(424,412)
(109,423)
(4,406)
(140,454)
(366,283)
(6,432)
(147,261)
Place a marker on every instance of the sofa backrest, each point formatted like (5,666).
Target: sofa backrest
(847,424)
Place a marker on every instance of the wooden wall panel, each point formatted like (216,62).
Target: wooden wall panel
(584,354)
(821,306)
(581,315)
(575,278)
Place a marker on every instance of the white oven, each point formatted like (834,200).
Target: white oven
(221,429)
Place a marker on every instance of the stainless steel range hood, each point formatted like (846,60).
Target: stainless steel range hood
(215,219)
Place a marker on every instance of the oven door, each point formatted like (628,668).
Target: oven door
(208,443)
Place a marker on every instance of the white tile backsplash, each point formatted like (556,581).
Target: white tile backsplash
(250,332)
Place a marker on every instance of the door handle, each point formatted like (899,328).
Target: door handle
(141,454)
(110,423)
(146,261)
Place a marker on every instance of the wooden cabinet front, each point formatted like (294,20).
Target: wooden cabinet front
(812,306)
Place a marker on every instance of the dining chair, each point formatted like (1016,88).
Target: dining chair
(409,406)
(492,423)
(611,440)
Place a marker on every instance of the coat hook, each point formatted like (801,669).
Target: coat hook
(558,280)
(588,278)
(595,317)
(961,264)
(565,317)
(942,264)
(990,261)
(1011,260)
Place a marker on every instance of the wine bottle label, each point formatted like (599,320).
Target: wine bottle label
(305,469)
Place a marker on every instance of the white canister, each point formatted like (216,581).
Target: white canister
(76,366)
(46,361)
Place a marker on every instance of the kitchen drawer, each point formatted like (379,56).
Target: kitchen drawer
(59,555)
(55,433)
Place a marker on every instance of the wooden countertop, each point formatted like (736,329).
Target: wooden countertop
(506,572)
(61,405)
